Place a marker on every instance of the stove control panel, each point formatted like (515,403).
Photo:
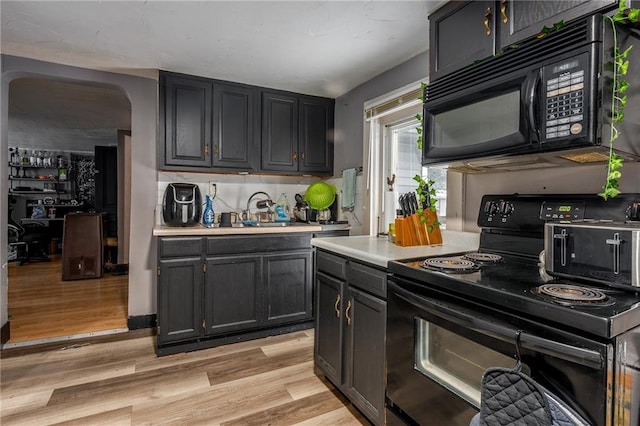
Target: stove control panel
(520,212)
(562,211)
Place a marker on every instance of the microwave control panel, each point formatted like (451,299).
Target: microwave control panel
(564,84)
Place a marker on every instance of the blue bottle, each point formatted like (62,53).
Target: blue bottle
(208,216)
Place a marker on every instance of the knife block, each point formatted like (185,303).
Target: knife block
(412,231)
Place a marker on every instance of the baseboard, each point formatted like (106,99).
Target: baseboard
(5,333)
(142,321)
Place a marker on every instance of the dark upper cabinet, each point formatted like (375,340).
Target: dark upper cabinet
(462,33)
(519,20)
(316,135)
(234,127)
(218,126)
(459,34)
(297,133)
(279,132)
(186,107)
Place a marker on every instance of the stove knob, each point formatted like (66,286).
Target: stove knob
(506,208)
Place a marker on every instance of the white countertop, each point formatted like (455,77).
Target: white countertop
(379,251)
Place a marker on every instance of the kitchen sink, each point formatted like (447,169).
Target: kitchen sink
(273,224)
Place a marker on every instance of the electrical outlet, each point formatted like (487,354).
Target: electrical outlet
(212,189)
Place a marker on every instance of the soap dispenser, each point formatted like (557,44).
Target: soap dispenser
(282,209)
(208,216)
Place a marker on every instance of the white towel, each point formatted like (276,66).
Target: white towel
(349,188)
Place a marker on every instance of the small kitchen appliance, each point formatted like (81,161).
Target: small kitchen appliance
(450,318)
(181,204)
(546,103)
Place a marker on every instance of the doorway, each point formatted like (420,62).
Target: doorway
(63,119)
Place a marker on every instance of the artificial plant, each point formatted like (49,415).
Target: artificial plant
(619,68)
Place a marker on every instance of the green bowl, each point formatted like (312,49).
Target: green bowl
(320,195)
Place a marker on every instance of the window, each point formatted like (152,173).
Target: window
(394,152)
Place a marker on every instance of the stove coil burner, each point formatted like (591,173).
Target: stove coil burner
(572,294)
(451,265)
(483,257)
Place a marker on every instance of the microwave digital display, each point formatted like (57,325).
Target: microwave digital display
(565,66)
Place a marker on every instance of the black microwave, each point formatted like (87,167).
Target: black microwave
(547,95)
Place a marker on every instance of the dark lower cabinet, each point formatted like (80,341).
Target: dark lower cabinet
(286,279)
(219,290)
(180,307)
(351,313)
(233,293)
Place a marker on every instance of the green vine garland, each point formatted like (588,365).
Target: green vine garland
(620,66)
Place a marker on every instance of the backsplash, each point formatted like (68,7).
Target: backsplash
(233,191)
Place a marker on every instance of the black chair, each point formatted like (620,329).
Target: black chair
(37,238)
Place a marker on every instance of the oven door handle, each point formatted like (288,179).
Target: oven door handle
(499,331)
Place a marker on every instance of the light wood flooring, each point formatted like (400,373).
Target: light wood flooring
(269,381)
(42,306)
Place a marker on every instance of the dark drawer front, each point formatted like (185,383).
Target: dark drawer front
(257,243)
(332,265)
(368,279)
(180,247)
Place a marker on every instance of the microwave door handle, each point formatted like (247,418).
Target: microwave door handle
(531,85)
(470,320)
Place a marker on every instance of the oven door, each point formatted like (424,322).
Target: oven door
(438,348)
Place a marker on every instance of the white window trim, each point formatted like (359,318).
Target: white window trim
(375,163)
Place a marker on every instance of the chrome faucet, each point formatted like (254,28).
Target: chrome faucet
(260,204)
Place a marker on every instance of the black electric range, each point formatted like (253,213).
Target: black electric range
(522,286)
(449,318)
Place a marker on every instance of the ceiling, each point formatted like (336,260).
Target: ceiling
(323,48)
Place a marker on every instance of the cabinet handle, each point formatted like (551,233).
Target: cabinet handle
(294,157)
(215,151)
(302,155)
(503,11)
(335,306)
(346,312)
(206,150)
(487,18)
(204,324)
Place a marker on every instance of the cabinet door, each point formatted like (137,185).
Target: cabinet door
(288,283)
(518,20)
(233,296)
(364,373)
(279,132)
(180,299)
(316,135)
(187,121)
(234,127)
(330,304)
(459,34)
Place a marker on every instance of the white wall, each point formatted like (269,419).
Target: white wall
(143,95)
